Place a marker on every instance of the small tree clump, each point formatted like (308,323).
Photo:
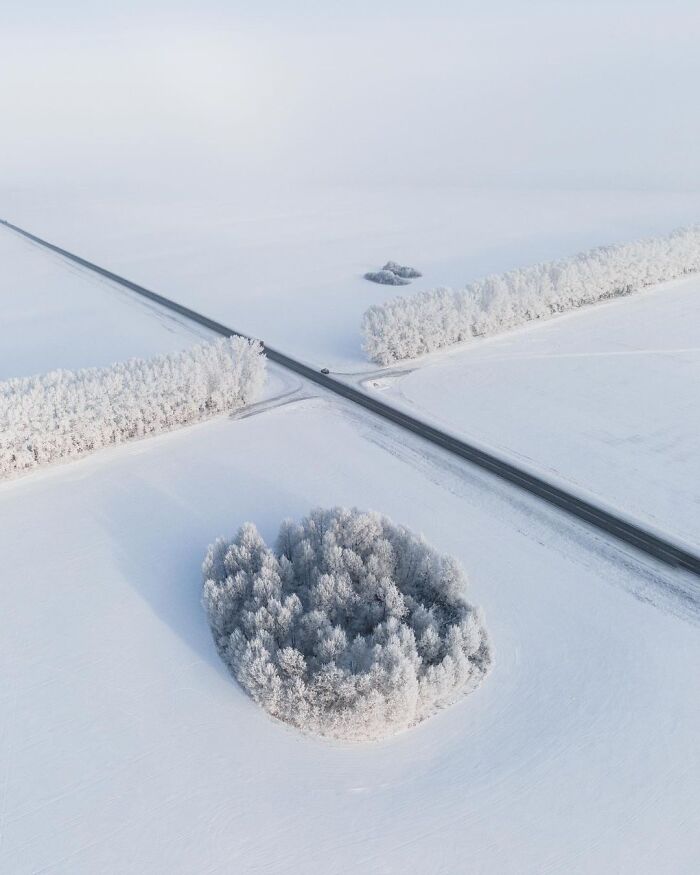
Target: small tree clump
(402,270)
(353,628)
(385,278)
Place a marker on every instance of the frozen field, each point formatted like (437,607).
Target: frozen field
(56,315)
(125,747)
(605,399)
(253,162)
(287,265)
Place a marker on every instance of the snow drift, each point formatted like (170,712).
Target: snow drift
(353,627)
(68,413)
(411,326)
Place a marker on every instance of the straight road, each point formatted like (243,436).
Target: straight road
(611,524)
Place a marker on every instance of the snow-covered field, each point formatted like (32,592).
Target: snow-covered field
(125,747)
(605,398)
(56,315)
(124,744)
(287,265)
(255,162)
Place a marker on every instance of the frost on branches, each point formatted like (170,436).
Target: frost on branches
(353,627)
(403,270)
(393,274)
(386,278)
(411,326)
(68,413)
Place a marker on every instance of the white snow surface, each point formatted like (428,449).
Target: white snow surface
(286,265)
(126,746)
(57,315)
(604,399)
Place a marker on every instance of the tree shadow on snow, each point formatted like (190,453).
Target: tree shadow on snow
(160,535)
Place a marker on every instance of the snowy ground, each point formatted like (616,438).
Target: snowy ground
(126,748)
(605,398)
(124,745)
(56,315)
(287,266)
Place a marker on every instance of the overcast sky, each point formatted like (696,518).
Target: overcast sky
(534,94)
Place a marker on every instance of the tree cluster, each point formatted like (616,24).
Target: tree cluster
(353,627)
(67,413)
(386,278)
(407,327)
(405,271)
(393,274)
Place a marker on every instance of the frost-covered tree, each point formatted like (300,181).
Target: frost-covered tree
(67,413)
(353,627)
(393,274)
(385,278)
(402,270)
(411,326)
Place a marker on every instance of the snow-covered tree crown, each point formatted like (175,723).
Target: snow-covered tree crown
(353,627)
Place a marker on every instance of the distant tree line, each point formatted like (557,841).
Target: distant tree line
(410,326)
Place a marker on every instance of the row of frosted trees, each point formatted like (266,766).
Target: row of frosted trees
(64,413)
(410,326)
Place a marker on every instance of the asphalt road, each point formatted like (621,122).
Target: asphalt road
(624,530)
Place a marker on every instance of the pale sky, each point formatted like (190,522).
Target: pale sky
(527,94)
